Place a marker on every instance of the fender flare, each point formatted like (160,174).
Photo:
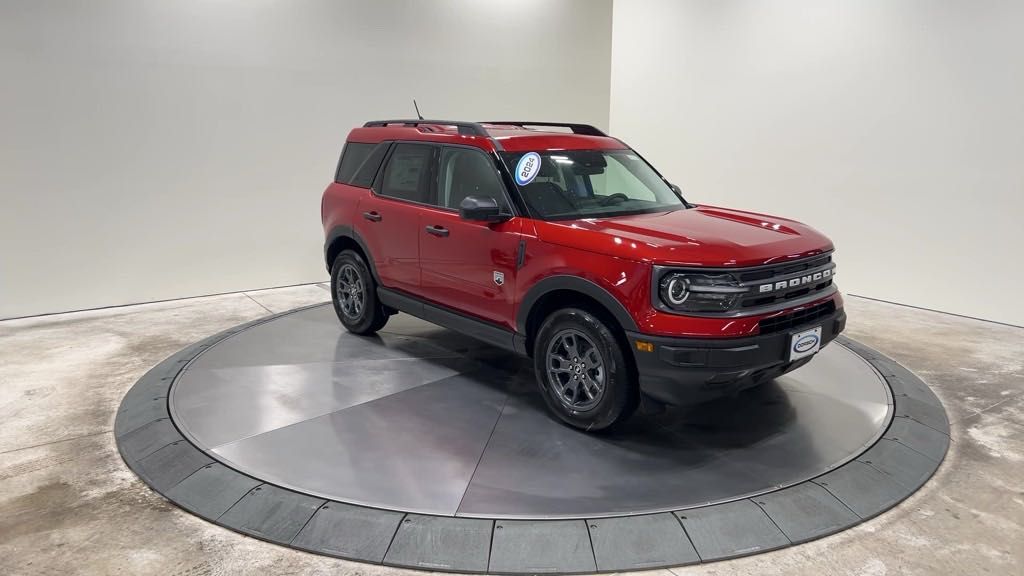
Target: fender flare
(577,284)
(346,231)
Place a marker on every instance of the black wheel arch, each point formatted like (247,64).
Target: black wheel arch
(527,320)
(344,237)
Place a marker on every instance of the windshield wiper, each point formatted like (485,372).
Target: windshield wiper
(616,198)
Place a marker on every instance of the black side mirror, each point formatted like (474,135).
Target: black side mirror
(482,209)
(679,194)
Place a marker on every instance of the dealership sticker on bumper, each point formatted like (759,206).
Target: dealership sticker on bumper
(803,344)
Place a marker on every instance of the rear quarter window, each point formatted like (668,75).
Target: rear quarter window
(359,163)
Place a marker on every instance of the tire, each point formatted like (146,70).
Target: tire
(354,293)
(593,388)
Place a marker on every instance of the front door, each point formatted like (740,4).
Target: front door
(468,265)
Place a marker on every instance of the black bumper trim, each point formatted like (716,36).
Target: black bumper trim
(691,370)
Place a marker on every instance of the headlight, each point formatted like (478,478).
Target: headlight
(676,290)
(686,292)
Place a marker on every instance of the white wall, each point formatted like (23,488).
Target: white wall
(894,126)
(160,149)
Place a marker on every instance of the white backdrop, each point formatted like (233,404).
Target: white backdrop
(894,126)
(154,149)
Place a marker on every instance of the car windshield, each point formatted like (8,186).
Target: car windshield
(571,184)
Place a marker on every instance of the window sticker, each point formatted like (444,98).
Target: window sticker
(527,168)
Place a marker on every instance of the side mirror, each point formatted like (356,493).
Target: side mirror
(679,194)
(481,209)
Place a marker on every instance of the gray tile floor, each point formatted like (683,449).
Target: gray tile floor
(69,505)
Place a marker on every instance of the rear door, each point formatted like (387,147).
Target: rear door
(466,265)
(388,219)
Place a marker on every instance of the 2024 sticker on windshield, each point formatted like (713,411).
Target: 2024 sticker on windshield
(527,168)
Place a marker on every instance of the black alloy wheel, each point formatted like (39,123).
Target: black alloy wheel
(354,293)
(582,372)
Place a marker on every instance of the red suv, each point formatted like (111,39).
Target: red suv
(558,242)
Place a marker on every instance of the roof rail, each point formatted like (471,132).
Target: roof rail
(465,128)
(585,129)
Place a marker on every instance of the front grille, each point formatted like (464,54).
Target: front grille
(762,273)
(797,319)
(756,299)
(748,291)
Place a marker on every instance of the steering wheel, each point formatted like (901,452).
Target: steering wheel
(563,194)
(617,196)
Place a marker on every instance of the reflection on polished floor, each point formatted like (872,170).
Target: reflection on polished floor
(421,419)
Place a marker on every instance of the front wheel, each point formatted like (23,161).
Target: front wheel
(582,372)
(354,294)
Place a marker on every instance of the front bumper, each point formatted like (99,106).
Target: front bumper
(682,371)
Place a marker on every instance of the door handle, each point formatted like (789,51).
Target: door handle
(373,216)
(437,231)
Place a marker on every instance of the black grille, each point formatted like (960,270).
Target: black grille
(797,319)
(758,289)
(756,300)
(784,269)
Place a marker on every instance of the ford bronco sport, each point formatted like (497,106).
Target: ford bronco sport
(558,242)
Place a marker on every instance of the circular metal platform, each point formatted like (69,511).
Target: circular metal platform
(424,448)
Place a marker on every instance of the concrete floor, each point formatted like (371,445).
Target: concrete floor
(68,504)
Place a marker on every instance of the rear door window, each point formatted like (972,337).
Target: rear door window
(408,173)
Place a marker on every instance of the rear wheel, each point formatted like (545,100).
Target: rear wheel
(581,370)
(354,294)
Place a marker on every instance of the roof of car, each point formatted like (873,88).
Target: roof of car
(490,136)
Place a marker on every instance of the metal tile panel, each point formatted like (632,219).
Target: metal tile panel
(350,532)
(640,542)
(441,543)
(147,439)
(913,388)
(918,437)
(806,511)
(143,392)
(171,464)
(545,546)
(138,414)
(907,467)
(211,490)
(865,490)
(925,413)
(730,530)
(861,350)
(271,513)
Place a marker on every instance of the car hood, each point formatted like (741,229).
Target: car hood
(700,236)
